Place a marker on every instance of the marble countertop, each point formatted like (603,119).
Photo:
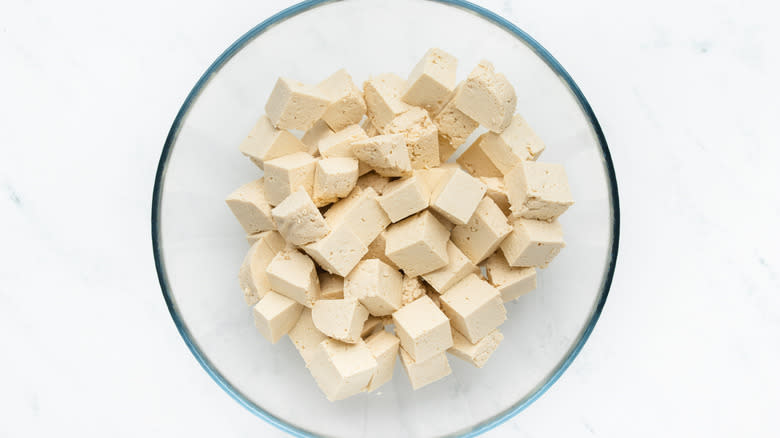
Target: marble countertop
(689,341)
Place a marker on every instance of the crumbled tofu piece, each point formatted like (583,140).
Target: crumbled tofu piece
(387,154)
(340,369)
(361,213)
(339,143)
(331,286)
(431,81)
(377,251)
(275,315)
(511,282)
(298,219)
(412,289)
(384,347)
(287,174)
(497,192)
(314,135)
(372,325)
(293,105)
(474,307)
(538,190)
(487,97)
(382,94)
(340,319)
(457,268)
(476,353)
(369,128)
(305,336)
(421,135)
(347,106)
(423,329)
(417,244)
(517,143)
(250,206)
(293,274)
(265,142)
(403,198)
(373,180)
(376,285)
(252,277)
(533,243)
(484,232)
(425,372)
(334,178)
(454,126)
(476,162)
(457,196)
(338,252)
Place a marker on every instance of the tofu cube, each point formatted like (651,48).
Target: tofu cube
(417,244)
(346,100)
(511,282)
(412,289)
(538,190)
(298,219)
(497,192)
(376,285)
(517,143)
(305,336)
(251,276)
(250,206)
(293,105)
(315,135)
(384,348)
(476,161)
(403,198)
(265,142)
(331,286)
(474,307)
(361,213)
(475,353)
(457,196)
(339,143)
(431,81)
(334,178)
(421,135)
(533,243)
(373,180)
(342,370)
(373,324)
(484,232)
(338,252)
(387,154)
(286,174)
(422,373)
(377,251)
(382,94)
(294,275)
(454,126)
(275,315)
(340,319)
(456,269)
(487,97)
(423,329)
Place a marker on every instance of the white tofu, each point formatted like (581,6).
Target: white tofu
(382,94)
(487,97)
(457,196)
(477,353)
(286,174)
(421,135)
(403,198)
(275,315)
(346,100)
(376,285)
(373,180)
(497,192)
(456,269)
(293,105)
(454,126)
(423,329)
(331,286)
(334,178)
(538,190)
(250,206)
(511,282)
(265,142)
(372,325)
(298,219)
(338,252)
(314,135)
(342,370)
(476,162)
(387,154)
(484,232)
(339,143)
(361,213)
(431,81)
(417,244)
(340,319)
(533,243)
(517,143)
(384,348)
(252,277)
(412,289)
(294,275)
(474,307)
(425,372)
(305,336)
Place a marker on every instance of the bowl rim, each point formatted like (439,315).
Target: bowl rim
(290,12)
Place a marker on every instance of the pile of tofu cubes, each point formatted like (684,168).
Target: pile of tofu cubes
(366,244)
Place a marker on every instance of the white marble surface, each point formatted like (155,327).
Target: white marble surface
(689,342)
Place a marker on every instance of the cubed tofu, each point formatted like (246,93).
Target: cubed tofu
(377,251)
(484,232)
(316,134)
(476,353)
(376,285)
(338,252)
(372,325)
(294,105)
(265,142)
(384,348)
(538,190)
(474,307)
(287,174)
(387,154)
(382,94)
(339,143)
(423,329)
(431,81)
(361,213)
(456,269)
(511,282)
(425,372)
(421,135)
(373,180)
(497,192)
(517,143)
(476,162)
(250,206)
(417,244)
(457,196)
(331,286)
(487,97)
(340,319)
(454,126)
(275,315)
(305,336)
(334,178)
(346,100)
(403,198)
(533,243)
(251,276)
(298,219)
(342,370)
(293,274)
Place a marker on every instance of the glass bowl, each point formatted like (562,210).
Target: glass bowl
(199,246)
